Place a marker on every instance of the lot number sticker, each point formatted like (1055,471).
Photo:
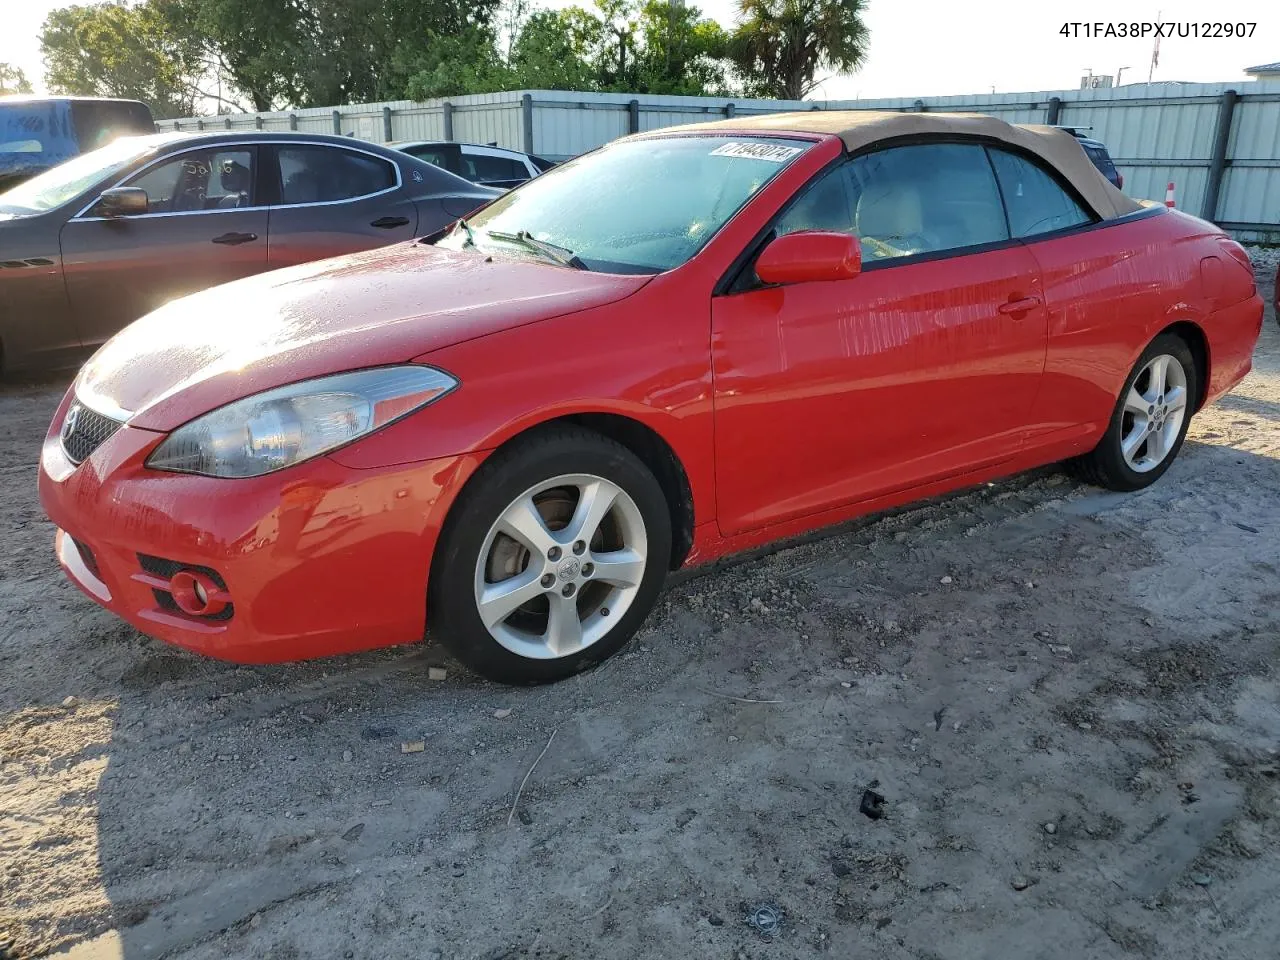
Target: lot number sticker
(772,152)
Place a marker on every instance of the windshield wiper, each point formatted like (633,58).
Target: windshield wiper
(466,228)
(561,255)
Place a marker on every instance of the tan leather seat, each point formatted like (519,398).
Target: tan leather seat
(893,214)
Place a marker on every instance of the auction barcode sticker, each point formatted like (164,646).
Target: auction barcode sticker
(774,153)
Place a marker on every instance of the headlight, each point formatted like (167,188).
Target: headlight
(281,427)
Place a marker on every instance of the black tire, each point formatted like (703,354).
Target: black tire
(1105,465)
(453,616)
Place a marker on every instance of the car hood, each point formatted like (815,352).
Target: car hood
(378,307)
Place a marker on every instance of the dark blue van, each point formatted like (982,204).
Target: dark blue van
(37,133)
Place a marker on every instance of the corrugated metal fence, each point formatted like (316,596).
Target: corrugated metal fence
(1219,143)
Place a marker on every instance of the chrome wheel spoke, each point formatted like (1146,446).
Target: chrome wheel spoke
(1157,445)
(499,600)
(595,501)
(522,522)
(1132,441)
(1136,403)
(564,625)
(1159,368)
(1175,399)
(622,568)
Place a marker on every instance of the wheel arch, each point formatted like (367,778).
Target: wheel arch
(1193,336)
(643,440)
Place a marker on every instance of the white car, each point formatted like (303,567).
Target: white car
(490,165)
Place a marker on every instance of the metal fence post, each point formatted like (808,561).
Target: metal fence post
(293,121)
(257,121)
(1055,109)
(447,107)
(526,114)
(337,123)
(227,123)
(1221,136)
(633,116)
(199,124)
(730,109)
(386,125)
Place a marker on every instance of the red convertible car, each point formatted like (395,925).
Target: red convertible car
(684,344)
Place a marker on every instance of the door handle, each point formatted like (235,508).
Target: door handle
(231,239)
(1021,305)
(390,223)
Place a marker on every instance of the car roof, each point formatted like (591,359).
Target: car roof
(859,129)
(41,98)
(401,144)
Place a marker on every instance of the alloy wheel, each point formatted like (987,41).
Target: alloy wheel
(560,566)
(1154,410)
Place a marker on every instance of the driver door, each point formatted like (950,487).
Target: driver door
(203,227)
(924,366)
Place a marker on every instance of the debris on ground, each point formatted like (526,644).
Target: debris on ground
(1020,883)
(413,746)
(872,804)
(437,673)
(765,919)
(502,714)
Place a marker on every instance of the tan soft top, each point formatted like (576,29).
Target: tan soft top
(861,128)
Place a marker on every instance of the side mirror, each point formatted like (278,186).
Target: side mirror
(810,255)
(122,202)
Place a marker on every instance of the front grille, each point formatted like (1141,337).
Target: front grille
(84,431)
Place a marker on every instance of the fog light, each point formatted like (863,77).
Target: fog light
(196,594)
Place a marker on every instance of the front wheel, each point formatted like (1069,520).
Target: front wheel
(551,559)
(1150,419)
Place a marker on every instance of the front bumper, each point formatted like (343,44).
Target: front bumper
(318,559)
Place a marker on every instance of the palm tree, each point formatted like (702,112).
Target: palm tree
(780,44)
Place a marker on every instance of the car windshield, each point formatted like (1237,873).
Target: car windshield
(637,206)
(55,187)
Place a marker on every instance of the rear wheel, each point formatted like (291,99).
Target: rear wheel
(552,558)
(1150,419)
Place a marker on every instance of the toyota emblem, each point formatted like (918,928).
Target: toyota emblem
(69,425)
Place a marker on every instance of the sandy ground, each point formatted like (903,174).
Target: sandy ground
(1076,736)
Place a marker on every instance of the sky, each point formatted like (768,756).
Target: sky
(938,48)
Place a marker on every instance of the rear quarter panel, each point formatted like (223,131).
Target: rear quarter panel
(1109,292)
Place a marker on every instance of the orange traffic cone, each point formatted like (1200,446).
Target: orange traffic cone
(1168,195)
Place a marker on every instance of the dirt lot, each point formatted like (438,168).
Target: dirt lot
(1076,735)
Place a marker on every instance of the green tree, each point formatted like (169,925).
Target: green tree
(779,44)
(447,66)
(650,47)
(680,52)
(13,80)
(252,47)
(114,50)
(557,50)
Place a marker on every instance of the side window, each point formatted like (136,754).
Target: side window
(824,205)
(319,174)
(925,198)
(199,180)
(1035,201)
(432,156)
(481,167)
